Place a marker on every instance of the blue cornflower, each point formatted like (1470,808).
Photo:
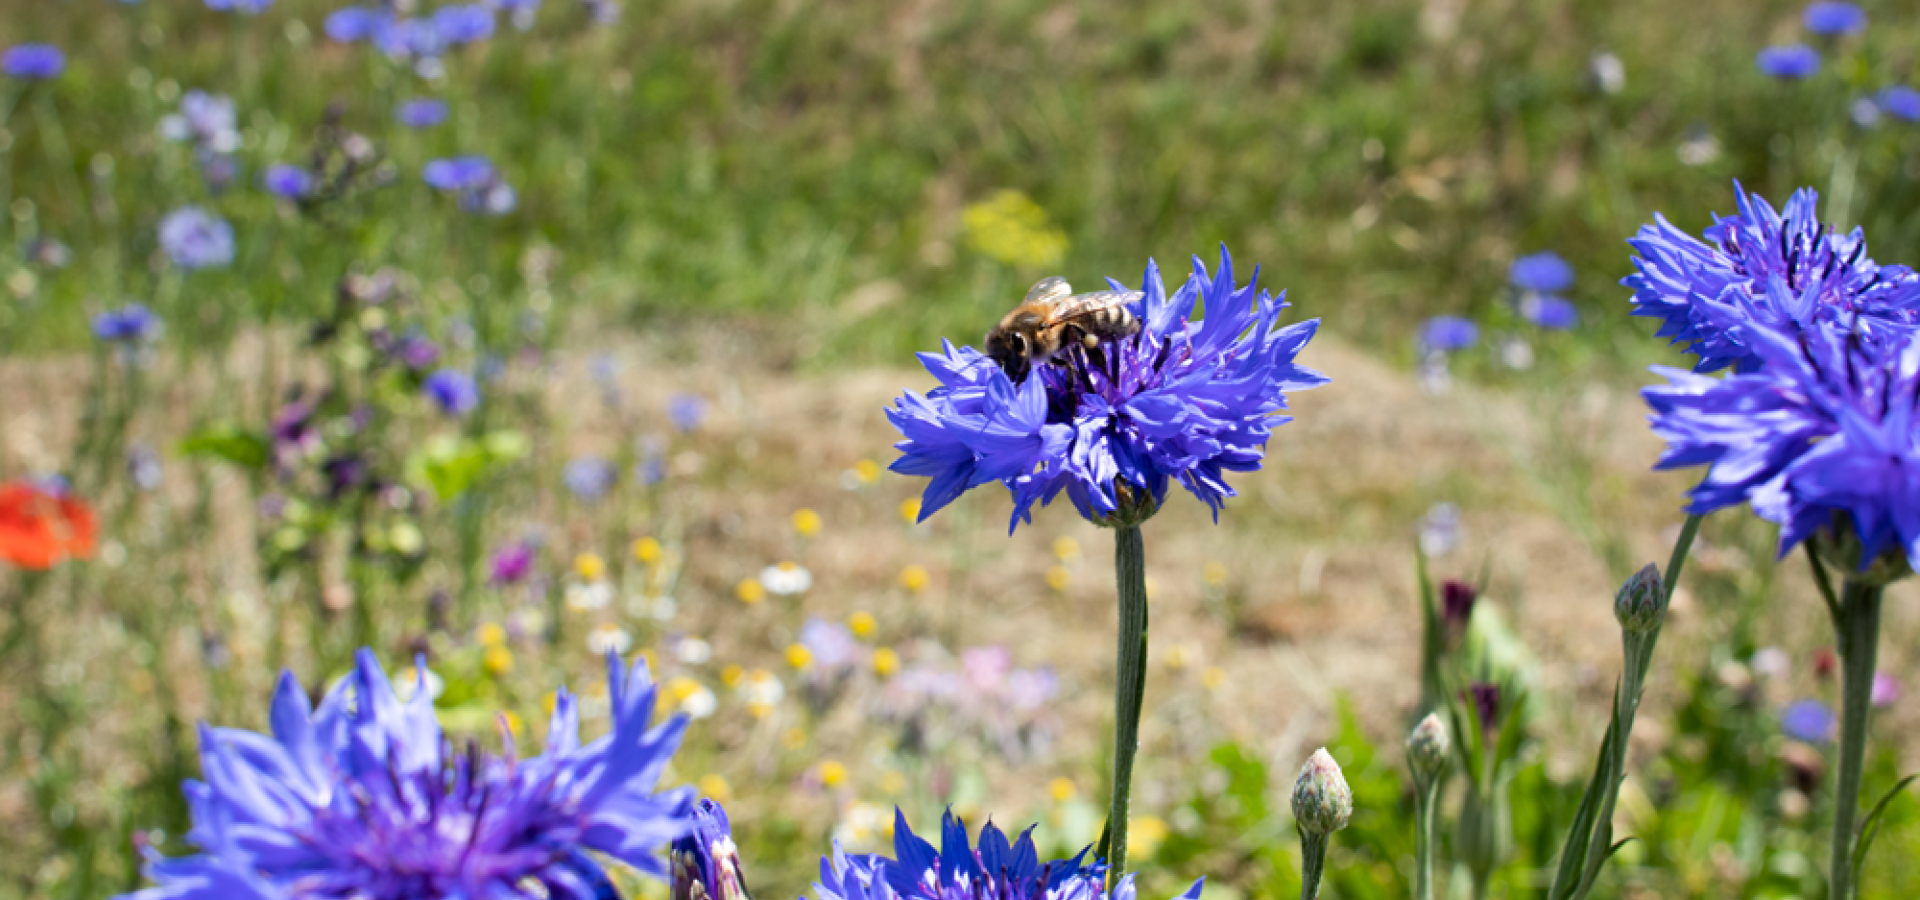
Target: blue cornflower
(410,38)
(704,861)
(1901,102)
(248,7)
(196,239)
(423,113)
(521,12)
(687,411)
(1547,311)
(1447,334)
(1807,721)
(33,62)
(1823,434)
(352,24)
(1541,273)
(461,24)
(453,390)
(461,173)
(365,798)
(1790,62)
(1831,18)
(289,181)
(1185,398)
(997,869)
(128,324)
(1785,271)
(589,477)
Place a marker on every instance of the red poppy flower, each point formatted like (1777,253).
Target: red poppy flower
(38,529)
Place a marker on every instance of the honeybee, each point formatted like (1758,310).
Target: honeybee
(1052,318)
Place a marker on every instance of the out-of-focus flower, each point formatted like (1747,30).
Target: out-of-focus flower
(715,786)
(1807,721)
(143,467)
(693,651)
(1771,662)
(914,579)
(1699,147)
(1549,312)
(289,181)
(590,566)
(687,411)
(47,251)
(1440,529)
(762,691)
(460,173)
(806,522)
(1886,689)
(786,579)
(1184,399)
(453,391)
(1013,229)
(356,23)
(609,638)
(490,634)
(1764,271)
(1484,697)
(1061,789)
(422,113)
(589,477)
(749,591)
(832,773)
(40,526)
(1825,663)
(362,797)
(511,564)
(1541,273)
(1790,62)
(1447,334)
(886,661)
(196,239)
(1428,746)
(862,624)
(33,62)
(830,646)
(910,510)
(706,864)
(647,550)
(244,7)
(1457,599)
(1607,73)
(1900,102)
(1831,18)
(463,23)
(497,660)
(129,324)
(520,12)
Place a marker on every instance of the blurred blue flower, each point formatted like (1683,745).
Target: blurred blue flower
(520,12)
(687,411)
(196,239)
(589,477)
(423,113)
(1447,334)
(33,62)
(410,38)
(1542,273)
(704,861)
(248,7)
(1831,18)
(461,173)
(1821,434)
(1901,102)
(144,468)
(463,24)
(1807,721)
(453,391)
(366,798)
(651,470)
(128,324)
(352,24)
(1184,399)
(289,181)
(1546,311)
(1791,62)
(1785,271)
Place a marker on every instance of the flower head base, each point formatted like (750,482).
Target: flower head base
(1762,269)
(1641,604)
(1322,801)
(362,798)
(1184,399)
(706,864)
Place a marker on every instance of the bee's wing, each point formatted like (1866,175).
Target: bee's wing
(1082,304)
(1049,290)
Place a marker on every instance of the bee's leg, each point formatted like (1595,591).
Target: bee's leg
(1096,357)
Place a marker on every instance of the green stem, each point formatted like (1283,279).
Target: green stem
(1859,650)
(1426,798)
(1130,686)
(1313,863)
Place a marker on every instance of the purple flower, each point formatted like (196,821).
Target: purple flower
(1901,102)
(416,352)
(453,390)
(460,173)
(686,411)
(1541,273)
(423,113)
(1886,689)
(511,564)
(196,239)
(128,324)
(1184,399)
(463,24)
(33,62)
(352,24)
(289,181)
(1485,699)
(589,477)
(365,798)
(705,862)
(1760,269)
(1447,334)
(1457,599)
(1550,312)
(1830,18)
(831,645)
(1822,434)
(248,7)
(1807,721)
(1791,62)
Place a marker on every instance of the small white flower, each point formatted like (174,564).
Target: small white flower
(762,688)
(589,596)
(609,638)
(663,609)
(786,579)
(693,651)
(700,703)
(1771,662)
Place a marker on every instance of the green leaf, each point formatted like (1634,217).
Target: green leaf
(1870,827)
(230,443)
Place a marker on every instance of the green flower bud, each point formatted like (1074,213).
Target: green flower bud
(1642,602)
(1427,747)
(1322,801)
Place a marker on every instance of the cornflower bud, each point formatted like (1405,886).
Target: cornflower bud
(1641,603)
(1322,801)
(1427,747)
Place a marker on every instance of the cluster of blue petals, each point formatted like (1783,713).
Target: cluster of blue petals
(1765,270)
(362,798)
(1185,399)
(997,869)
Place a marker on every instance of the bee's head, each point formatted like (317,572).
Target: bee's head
(1009,349)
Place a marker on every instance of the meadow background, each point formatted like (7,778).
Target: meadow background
(733,224)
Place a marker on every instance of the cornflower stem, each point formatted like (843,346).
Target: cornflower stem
(1313,863)
(1859,627)
(1426,798)
(1129,690)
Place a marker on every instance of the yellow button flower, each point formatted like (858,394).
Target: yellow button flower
(647,550)
(1214,678)
(1214,574)
(862,624)
(798,656)
(915,579)
(497,659)
(1065,548)
(1058,578)
(491,635)
(732,675)
(590,566)
(1145,835)
(1061,789)
(715,787)
(910,510)
(832,773)
(885,662)
(868,470)
(806,522)
(750,591)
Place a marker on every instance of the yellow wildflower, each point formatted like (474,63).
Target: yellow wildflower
(1061,789)
(806,522)
(915,579)
(1058,578)
(1066,548)
(868,470)
(715,787)
(750,591)
(590,566)
(1214,574)
(832,773)
(793,738)
(885,662)
(892,782)
(798,656)
(497,659)
(862,624)
(491,635)
(1013,229)
(1145,834)
(1214,678)
(647,550)
(910,510)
